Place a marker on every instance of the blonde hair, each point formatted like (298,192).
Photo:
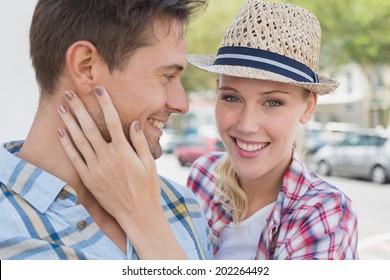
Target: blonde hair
(233,198)
(299,143)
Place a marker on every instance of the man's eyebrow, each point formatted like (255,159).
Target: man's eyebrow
(176,67)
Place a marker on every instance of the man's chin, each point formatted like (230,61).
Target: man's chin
(156,151)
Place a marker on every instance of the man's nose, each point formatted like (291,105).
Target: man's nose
(177,100)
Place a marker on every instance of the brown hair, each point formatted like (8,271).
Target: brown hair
(116,28)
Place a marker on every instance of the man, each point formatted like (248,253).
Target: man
(135,49)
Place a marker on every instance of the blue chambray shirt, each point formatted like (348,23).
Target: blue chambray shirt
(40,217)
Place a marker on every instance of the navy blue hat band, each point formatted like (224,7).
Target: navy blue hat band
(266,60)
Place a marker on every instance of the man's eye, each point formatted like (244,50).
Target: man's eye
(169,77)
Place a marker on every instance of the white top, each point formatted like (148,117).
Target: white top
(240,241)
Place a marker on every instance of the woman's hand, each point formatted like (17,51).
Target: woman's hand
(122,177)
(113,172)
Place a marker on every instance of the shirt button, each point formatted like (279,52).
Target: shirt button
(63,195)
(81,225)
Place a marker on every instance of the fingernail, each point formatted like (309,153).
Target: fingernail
(61,132)
(136,126)
(69,95)
(99,91)
(63,109)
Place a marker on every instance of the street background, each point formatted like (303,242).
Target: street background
(19,100)
(371,201)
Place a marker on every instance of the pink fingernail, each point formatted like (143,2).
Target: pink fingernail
(99,91)
(136,126)
(61,132)
(63,109)
(69,95)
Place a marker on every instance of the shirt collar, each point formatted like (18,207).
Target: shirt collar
(296,180)
(36,186)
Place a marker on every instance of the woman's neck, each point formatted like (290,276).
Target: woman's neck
(265,189)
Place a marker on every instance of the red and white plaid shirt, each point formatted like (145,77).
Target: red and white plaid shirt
(311,219)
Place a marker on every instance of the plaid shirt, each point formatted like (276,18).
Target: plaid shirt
(40,217)
(311,219)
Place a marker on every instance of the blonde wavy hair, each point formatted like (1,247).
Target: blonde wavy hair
(233,198)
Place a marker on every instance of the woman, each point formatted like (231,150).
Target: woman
(259,198)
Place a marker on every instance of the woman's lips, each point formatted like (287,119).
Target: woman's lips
(250,147)
(249,150)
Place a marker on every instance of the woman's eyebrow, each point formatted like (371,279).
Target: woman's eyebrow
(226,88)
(273,92)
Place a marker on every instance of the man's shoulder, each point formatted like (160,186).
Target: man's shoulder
(177,189)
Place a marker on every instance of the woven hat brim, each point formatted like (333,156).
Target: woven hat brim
(205,62)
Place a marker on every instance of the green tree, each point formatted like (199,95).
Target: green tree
(352,30)
(204,36)
(356,31)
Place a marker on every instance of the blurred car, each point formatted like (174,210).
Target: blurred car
(361,154)
(170,139)
(188,152)
(318,135)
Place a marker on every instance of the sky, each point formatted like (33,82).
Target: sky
(18,88)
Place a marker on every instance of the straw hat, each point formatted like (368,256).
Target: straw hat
(271,41)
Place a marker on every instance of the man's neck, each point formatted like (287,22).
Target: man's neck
(43,149)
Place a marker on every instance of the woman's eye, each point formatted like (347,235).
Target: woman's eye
(230,98)
(273,103)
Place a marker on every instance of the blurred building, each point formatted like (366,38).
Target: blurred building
(362,98)
(200,118)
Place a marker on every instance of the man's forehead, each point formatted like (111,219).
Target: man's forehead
(161,28)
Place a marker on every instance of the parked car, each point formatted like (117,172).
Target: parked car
(361,154)
(188,152)
(318,135)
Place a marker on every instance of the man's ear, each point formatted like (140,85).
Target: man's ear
(82,58)
(311,103)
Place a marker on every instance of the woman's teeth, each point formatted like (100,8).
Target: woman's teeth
(156,123)
(251,147)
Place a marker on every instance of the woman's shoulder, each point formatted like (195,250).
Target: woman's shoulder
(208,160)
(322,199)
(204,165)
(305,187)
(306,192)
(202,177)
